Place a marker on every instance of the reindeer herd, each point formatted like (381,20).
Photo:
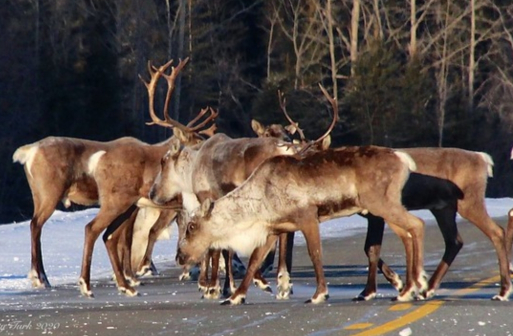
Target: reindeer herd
(245,195)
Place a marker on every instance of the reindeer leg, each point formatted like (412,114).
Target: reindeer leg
(37,274)
(254,263)
(102,220)
(373,242)
(203,275)
(126,232)
(476,213)
(213,290)
(44,205)
(509,238)
(284,285)
(120,229)
(160,225)
(229,283)
(267,265)
(313,242)
(446,220)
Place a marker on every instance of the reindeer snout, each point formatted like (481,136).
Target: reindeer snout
(152,193)
(181,258)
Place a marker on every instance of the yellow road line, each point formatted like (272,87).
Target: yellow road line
(358,326)
(400,306)
(413,316)
(424,310)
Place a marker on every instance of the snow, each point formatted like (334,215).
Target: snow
(63,238)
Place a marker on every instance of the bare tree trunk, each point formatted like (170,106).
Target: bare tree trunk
(413,29)
(355,19)
(332,51)
(181,41)
(169,31)
(272,21)
(379,26)
(442,82)
(190,67)
(36,58)
(471,62)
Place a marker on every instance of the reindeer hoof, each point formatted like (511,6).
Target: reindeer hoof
(405,297)
(426,294)
(263,286)
(145,271)
(364,297)
(38,281)
(321,298)
(84,289)
(284,291)
(130,292)
(185,276)
(134,283)
(238,300)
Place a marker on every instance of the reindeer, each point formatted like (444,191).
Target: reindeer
(211,170)
(290,193)
(124,175)
(56,170)
(468,172)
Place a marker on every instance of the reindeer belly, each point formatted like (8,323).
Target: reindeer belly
(244,241)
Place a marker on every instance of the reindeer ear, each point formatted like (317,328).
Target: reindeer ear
(180,135)
(257,127)
(326,142)
(206,208)
(291,129)
(175,147)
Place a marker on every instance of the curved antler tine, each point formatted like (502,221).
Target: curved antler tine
(212,116)
(155,74)
(209,131)
(198,117)
(282,100)
(171,83)
(334,106)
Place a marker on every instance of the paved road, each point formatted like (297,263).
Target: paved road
(167,306)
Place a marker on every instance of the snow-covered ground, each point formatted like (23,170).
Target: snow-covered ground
(63,237)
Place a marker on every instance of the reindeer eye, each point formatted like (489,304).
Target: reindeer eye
(192,227)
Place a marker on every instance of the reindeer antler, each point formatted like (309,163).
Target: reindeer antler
(282,100)
(334,105)
(155,74)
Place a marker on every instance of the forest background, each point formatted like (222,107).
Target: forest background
(406,73)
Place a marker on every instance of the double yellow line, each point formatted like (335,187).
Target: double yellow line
(424,310)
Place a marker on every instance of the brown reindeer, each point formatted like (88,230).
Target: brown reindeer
(57,170)
(290,193)
(219,165)
(447,181)
(443,169)
(124,175)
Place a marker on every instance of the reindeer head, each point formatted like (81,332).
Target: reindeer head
(195,237)
(272,131)
(169,181)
